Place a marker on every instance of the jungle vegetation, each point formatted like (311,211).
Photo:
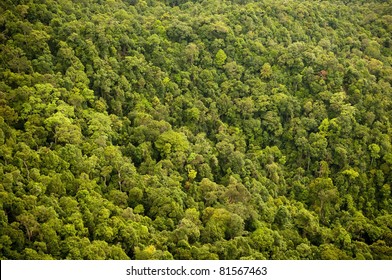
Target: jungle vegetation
(215,129)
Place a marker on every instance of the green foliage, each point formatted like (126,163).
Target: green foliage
(220,58)
(195,130)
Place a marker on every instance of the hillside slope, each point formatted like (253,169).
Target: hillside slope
(195,129)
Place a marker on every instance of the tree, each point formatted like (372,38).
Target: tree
(266,71)
(221,224)
(220,58)
(192,52)
(374,152)
(171,142)
(30,225)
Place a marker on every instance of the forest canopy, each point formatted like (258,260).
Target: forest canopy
(177,129)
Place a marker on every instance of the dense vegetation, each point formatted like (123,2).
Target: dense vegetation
(195,129)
